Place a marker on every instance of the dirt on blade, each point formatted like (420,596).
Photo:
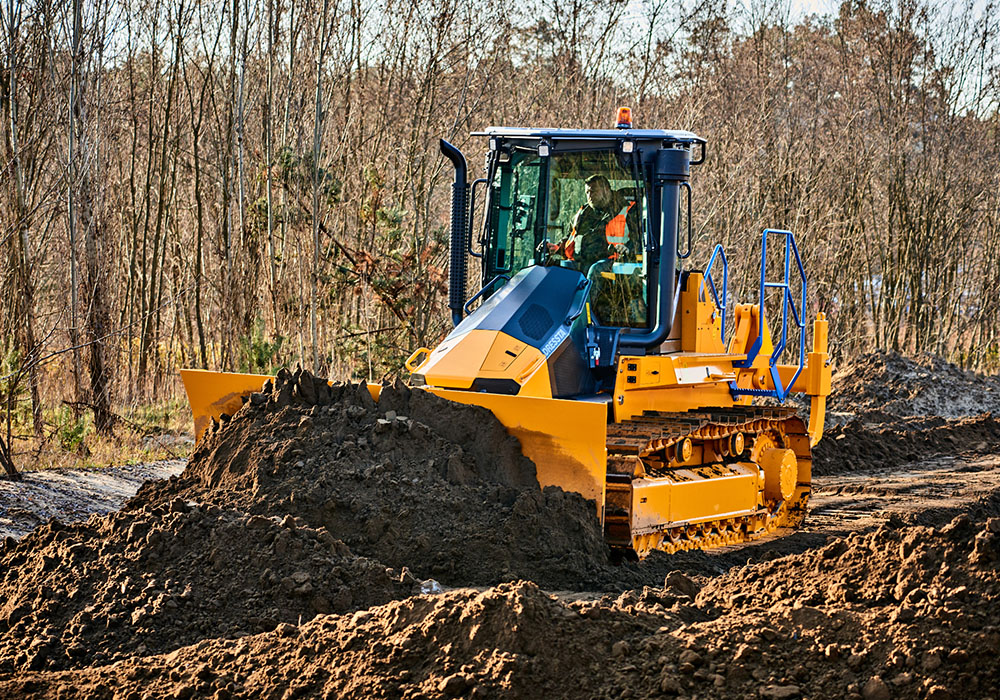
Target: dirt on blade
(413,481)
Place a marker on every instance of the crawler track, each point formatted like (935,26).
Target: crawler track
(724,443)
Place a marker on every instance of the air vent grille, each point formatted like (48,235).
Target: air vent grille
(535,321)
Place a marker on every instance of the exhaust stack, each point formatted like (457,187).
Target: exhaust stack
(459,231)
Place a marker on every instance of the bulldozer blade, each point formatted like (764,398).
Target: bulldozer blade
(565,439)
(210,394)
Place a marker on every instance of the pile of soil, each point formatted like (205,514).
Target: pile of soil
(289,560)
(888,384)
(413,481)
(887,410)
(904,611)
(152,580)
(858,446)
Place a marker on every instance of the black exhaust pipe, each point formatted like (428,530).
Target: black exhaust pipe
(459,230)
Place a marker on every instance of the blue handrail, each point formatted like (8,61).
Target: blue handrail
(787,300)
(718,252)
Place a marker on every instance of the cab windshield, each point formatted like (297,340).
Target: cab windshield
(583,210)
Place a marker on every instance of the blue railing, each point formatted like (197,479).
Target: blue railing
(718,253)
(780,391)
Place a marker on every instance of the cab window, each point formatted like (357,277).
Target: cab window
(582,210)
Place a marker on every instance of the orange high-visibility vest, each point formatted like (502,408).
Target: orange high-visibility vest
(616,230)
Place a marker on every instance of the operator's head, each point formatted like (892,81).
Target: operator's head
(598,191)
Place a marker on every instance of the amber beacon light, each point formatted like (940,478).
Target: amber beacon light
(624,118)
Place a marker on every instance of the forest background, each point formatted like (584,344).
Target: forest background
(256,183)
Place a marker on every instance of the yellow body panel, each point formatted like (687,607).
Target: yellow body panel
(701,321)
(481,354)
(695,495)
(536,381)
(456,362)
(676,382)
(503,353)
(565,439)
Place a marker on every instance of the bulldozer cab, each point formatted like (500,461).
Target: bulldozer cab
(602,202)
(577,248)
(585,210)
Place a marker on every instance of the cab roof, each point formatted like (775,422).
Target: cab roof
(675,136)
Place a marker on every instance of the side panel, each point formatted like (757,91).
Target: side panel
(480,354)
(565,439)
(692,496)
(677,382)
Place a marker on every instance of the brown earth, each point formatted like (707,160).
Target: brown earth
(893,385)
(414,481)
(887,410)
(904,611)
(889,591)
(861,445)
(152,580)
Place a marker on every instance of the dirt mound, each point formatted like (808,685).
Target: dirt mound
(512,641)
(859,446)
(150,581)
(411,481)
(900,612)
(887,410)
(889,384)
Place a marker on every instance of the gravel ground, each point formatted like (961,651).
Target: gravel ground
(73,494)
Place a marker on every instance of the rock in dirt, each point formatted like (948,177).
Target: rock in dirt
(875,689)
(680,583)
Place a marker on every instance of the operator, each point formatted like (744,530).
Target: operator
(607,226)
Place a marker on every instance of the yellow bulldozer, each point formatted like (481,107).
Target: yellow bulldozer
(613,365)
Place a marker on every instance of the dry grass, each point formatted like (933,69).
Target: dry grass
(144,433)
